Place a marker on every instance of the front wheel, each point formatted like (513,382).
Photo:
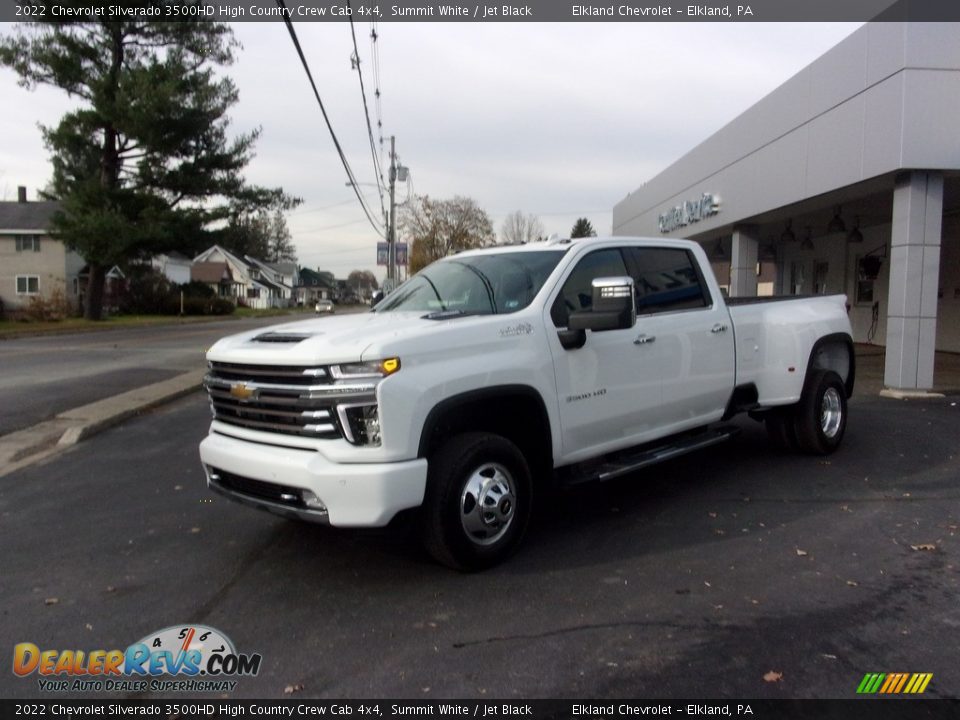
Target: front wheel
(478,501)
(821,414)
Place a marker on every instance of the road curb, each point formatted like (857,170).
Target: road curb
(45,439)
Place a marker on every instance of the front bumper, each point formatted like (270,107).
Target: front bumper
(304,484)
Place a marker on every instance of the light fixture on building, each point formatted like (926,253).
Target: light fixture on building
(788,235)
(855,235)
(836,225)
(870,264)
(768,252)
(718,250)
(807,243)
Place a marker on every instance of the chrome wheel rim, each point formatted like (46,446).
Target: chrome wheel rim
(831,413)
(488,504)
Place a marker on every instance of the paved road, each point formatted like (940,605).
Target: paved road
(692,579)
(43,376)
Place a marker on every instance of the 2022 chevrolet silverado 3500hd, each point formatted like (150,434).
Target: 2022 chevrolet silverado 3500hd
(494,372)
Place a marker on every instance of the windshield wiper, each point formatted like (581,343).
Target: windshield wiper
(486,284)
(446,314)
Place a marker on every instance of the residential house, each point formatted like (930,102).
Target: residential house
(245,281)
(218,276)
(33,264)
(289,275)
(267,275)
(315,285)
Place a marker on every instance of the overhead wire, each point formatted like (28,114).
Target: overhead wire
(378,174)
(316,93)
(375,55)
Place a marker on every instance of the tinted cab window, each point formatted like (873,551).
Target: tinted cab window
(577,292)
(666,280)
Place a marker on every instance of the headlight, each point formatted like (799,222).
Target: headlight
(371,369)
(361,420)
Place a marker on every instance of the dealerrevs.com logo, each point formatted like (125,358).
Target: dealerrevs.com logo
(180,658)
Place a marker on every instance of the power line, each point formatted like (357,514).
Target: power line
(323,110)
(331,227)
(320,209)
(375,55)
(366,111)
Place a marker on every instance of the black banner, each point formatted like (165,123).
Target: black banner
(900,708)
(473,11)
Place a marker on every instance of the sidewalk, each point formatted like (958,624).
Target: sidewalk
(870,361)
(45,439)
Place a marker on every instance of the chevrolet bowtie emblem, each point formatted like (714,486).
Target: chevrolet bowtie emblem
(241,392)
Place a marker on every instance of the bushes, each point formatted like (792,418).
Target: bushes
(202,306)
(150,293)
(146,293)
(53,307)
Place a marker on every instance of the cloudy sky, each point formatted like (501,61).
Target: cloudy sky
(561,120)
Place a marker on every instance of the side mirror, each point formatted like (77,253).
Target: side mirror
(614,306)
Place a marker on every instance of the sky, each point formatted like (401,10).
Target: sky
(559,120)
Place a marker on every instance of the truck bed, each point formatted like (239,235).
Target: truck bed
(775,337)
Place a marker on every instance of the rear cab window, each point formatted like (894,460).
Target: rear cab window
(666,280)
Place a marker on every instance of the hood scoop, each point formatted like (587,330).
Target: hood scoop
(283,337)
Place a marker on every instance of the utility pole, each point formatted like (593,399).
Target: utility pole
(392,230)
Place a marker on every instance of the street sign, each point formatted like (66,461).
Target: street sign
(383,253)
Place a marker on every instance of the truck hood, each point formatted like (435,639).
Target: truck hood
(320,341)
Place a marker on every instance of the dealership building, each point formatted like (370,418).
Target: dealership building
(845,179)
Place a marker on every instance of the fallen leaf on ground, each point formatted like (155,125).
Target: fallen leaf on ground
(924,546)
(800,552)
(852,583)
(773,676)
(291,689)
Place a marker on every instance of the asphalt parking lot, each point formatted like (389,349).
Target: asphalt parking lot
(694,579)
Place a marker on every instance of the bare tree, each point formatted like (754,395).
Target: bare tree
(437,228)
(519,229)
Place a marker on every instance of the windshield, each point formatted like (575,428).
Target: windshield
(477,285)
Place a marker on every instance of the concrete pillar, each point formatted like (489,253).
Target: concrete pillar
(743,262)
(914,276)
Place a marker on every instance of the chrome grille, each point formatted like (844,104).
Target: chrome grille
(277,398)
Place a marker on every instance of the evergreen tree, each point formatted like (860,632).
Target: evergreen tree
(582,228)
(144,165)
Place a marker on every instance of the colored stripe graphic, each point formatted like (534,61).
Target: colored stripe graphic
(871,683)
(894,683)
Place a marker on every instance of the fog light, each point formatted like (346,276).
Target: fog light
(361,423)
(371,423)
(312,501)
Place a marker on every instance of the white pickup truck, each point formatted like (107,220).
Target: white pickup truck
(494,372)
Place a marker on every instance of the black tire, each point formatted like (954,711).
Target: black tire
(821,415)
(781,429)
(478,501)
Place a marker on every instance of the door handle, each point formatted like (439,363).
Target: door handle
(644,339)
(718,328)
